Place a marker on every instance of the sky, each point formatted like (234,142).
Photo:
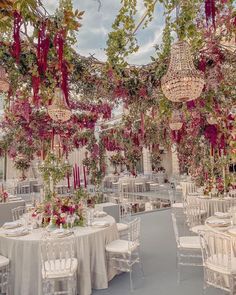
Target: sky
(96,25)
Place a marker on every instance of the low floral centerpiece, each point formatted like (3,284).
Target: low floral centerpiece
(3,196)
(215,187)
(60,211)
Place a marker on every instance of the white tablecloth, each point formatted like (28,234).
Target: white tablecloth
(24,255)
(212,205)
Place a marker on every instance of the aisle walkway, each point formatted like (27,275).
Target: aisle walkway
(158,253)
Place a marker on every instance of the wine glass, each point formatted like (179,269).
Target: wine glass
(39,220)
(72,220)
(68,221)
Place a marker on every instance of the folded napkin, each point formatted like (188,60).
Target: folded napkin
(17,232)
(12,224)
(100,224)
(61,232)
(222,214)
(100,214)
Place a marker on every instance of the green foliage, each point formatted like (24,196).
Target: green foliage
(53,169)
(122,41)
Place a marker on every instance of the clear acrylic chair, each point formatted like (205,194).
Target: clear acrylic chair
(123,254)
(18,212)
(188,249)
(59,266)
(125,211)
(174,205)
(194,218)
(218,261)
(4,275)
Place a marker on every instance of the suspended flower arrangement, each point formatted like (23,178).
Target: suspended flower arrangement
(59,110)
(182,82)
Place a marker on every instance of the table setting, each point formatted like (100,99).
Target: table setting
(20,241)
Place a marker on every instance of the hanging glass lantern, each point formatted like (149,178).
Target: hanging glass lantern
(176,122)
(58,110)
(4,84)
(182,81)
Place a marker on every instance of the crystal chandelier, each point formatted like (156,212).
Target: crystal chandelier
(176,122)
(182,81)
(58,110)
(4,84)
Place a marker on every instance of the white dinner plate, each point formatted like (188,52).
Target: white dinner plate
(17,232)
(99,214)
(100,224)
(12,225)
(61,233)
(216,222)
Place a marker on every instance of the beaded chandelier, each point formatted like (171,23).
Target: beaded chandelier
(176,122)
(182,81)
(4,84)
(58,110)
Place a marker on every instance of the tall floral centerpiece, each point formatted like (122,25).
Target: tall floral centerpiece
(53,170)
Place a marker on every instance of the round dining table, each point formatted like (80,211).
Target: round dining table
(212,205)
(25,259)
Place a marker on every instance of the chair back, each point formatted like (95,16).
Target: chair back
(175,229)
(18,212)
(125,211)
(216,250)
(193,214)
(134,232)
(57,255)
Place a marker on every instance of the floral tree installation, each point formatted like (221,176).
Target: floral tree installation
(51,90)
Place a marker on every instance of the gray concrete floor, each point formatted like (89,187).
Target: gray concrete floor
(158,252)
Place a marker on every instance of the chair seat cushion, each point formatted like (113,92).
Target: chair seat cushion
(178,205)
(59,269)
(121,246)
(197,228)
(122,227)
(4,261)
(190,242)
(221,265)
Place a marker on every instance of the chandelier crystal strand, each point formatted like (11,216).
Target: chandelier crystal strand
(176,121)
(58,110)
(4,84)
(182,82)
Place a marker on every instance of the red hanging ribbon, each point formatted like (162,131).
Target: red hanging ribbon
(35,86)
(59,45)
(142,125)
(42,49)
(64,81)
(16,46)
(210,11)
(85,180)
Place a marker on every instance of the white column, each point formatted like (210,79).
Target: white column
(147,165)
